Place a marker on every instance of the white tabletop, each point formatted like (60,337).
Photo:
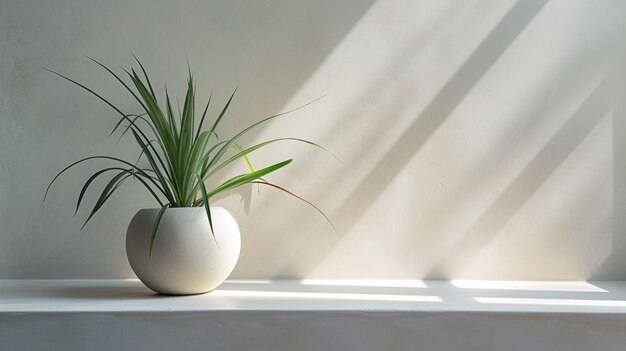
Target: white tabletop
(70,296)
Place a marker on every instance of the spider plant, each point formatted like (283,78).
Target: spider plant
(179,154)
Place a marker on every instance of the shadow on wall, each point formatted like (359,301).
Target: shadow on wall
(615,264)
(425,124)
(453,260)
(593,110)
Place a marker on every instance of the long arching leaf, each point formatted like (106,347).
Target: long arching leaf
(170,115)
(207,208)
(155,229)
(155,114)
(139,170)
(193,164)
(203,116)
(204,161)
(119,80)
(251,127)
(117,125)
(162,179)
(145,75)
(221,115)
(89,90)
(248,177)
(97,174)
(299,198)
(258,146)
(109,189)
(246,160)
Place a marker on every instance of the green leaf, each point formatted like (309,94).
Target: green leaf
(117,125)
(155,229)
(186,134)
(221,115)
(299,198)
(251,127)
(119,80)
(248,177)
(145,75)
(163,179)
(245,152)
(155,114)
(203,115)
(170,114)
(207,208)
(194,164)
(248,164)
(204,161)
(109,189)
(89,90)
(139,170)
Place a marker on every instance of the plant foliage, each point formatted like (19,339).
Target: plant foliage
(181,154)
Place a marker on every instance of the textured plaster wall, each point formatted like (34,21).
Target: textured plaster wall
(480,139)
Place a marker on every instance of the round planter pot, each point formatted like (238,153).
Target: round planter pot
(186,259)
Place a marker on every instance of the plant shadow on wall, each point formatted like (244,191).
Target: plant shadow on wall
(469,245)
(613,265)
(176,157)
(582,70)
(425,124)
(590,113)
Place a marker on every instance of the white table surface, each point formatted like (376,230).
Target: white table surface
(102,315)
(70,296)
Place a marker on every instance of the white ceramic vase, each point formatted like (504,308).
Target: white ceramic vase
(186,259)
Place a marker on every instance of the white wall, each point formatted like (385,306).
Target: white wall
(480,139)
